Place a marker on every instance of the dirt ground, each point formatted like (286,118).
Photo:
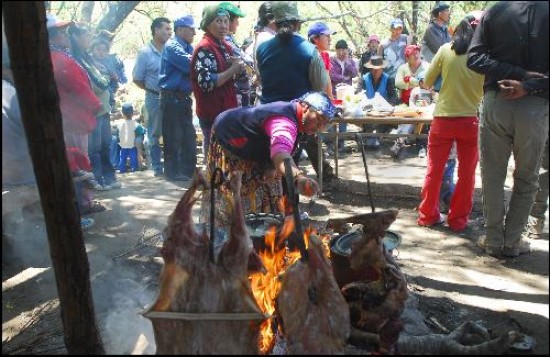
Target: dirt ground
(451,280)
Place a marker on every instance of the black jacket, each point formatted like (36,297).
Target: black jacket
(512,39)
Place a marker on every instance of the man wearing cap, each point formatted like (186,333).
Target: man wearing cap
(290,54)
(437,33)
(393,49)
(146,76)
(320,35)
(178,132)
(257,140)
(342,70)
(242,83)
(372,48)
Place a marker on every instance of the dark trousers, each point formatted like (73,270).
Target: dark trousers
(312,150)
(180,139)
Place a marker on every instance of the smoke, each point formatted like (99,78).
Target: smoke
(24,238)
(121,290)
(121,294)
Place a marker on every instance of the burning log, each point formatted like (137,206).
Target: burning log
(205,306)
(314,316)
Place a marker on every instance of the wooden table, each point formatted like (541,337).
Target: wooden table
(395,120)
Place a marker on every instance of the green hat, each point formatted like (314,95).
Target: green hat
(210,13)
(232,9)
(285,11)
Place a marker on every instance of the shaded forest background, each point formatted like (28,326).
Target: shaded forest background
(353,20)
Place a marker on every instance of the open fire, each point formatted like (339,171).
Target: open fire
(276,257)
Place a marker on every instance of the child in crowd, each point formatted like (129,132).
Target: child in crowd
(128,128)
(139,143)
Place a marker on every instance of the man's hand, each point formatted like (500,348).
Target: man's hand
(512,89)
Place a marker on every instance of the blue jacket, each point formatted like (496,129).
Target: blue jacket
(284,68)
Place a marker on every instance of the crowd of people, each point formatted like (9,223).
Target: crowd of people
(261,104)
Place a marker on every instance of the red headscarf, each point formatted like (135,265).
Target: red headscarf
(410,49)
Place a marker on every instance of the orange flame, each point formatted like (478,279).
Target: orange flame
(265,287)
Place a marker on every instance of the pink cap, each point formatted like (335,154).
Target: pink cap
(373,38)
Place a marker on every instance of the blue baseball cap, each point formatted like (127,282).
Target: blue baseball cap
(321,102)
(127,108)
(395,23)
(319,28)
(185,21)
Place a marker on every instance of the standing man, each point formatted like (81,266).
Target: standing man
(393,49)
(437,33)
(514,118)
(146,76)
(178,132)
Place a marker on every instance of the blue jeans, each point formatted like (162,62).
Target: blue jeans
(115,150)
(99,147)
(154,130)
(180,138)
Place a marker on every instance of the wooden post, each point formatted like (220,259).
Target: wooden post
(26,35)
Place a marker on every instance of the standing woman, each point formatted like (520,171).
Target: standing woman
(455,119)
(99,141)
(213,68)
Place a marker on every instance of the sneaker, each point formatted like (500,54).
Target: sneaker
(397,149)
(422,153)
(523,247)
(115,184)
(93,184)
(494,251)
(81,175)
(158,173)
(534,227)
(86,223)
(102,188)
(439,221)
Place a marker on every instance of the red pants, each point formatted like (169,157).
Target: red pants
(443,131)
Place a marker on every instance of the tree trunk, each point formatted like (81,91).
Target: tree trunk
(87,11)
(414,25)
(118,11)
(41,116)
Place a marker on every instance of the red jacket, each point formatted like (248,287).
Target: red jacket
(77,101)
(210,104)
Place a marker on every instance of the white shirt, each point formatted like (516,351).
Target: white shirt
(126,132)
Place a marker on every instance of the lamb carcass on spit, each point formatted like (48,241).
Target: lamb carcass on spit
(313,313)
(193,284)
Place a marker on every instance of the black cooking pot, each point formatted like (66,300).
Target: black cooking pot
(258,224)
(340,251)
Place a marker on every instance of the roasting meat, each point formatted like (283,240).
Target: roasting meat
(191,283)
(313,313)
